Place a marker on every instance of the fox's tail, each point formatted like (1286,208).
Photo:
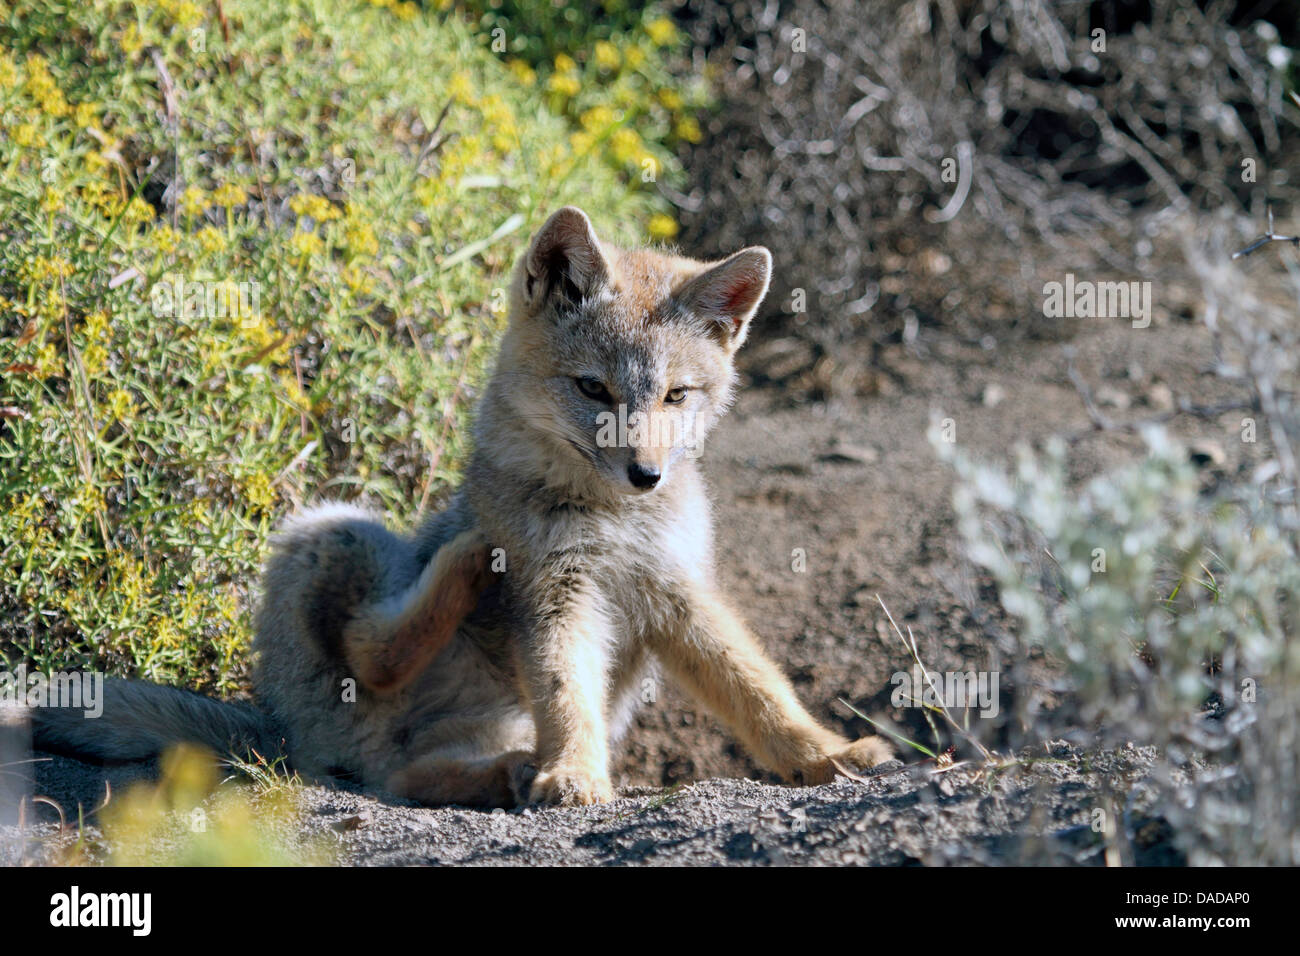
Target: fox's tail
(140,720)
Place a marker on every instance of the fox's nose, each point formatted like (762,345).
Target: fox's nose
(642,476)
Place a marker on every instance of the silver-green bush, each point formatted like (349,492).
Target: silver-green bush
(1170,614)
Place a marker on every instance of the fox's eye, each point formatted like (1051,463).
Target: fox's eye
(675,396)
(593,388)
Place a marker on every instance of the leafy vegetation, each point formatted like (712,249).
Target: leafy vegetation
(251,255)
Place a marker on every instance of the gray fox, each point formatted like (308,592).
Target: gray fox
(494,656)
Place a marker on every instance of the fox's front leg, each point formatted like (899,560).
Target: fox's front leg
(709,649)
(565,665)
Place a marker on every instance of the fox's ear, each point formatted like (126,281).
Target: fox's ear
(564,259)
(727,295)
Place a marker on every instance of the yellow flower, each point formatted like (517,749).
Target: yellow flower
(597,119)
(126,572)
(461,87)
(165,238)
(524,73)
(499,115)
(84,115)
(259,492)
(259,335)
(52,199)
(316,207)
(670,98)
(625,144)
(194,200)
(186,14)
(228,194)
(49,363)
(464,156)
(131,40)
(565,64)
(294,393)
(210,240)
(662,227)
(661,31)
(53,104)
(45,268)
(94,358)
(688,128)
(90,498)
(304,245)
(358,281)
(137,211)
(635,57)
(26,136)
(359,238)
(607,55)
(563,83)
(97,326)
(120,404)
(8,72)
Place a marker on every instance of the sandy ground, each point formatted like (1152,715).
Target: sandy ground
(855,484)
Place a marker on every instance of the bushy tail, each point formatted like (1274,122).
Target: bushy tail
(140,720)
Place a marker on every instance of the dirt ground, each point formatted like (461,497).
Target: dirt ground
(901,816)
(855,483)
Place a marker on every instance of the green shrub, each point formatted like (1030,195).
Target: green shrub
(616,70)
(336,191)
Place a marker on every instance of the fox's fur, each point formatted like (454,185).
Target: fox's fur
(497,654)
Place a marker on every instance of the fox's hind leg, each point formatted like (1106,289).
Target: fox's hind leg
(489,782)
(389,643)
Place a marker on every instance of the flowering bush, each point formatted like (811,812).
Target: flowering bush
(616,71)
(244,262)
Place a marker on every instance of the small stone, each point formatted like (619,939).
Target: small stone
(1161,397)
(843,453)
(1112,397)
(354,822)
(935,262)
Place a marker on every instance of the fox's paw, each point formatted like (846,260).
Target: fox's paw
(520,773)
(852,758)
(570,788)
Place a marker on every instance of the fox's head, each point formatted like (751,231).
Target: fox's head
(616,362)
